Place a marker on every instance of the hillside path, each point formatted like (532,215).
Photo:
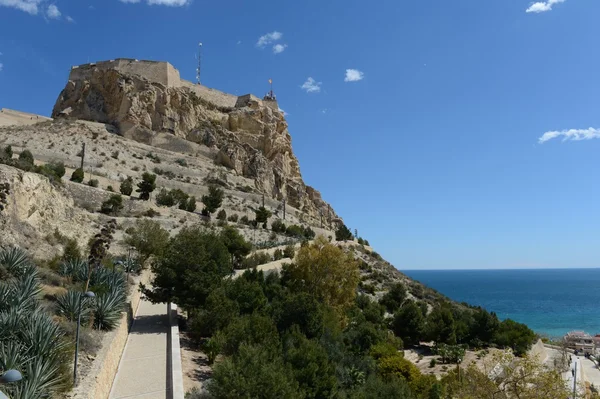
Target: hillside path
(142,370)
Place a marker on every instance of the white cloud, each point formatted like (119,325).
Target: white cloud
(571,135)
(29,6)
(268,38)
(279,48)
(311,86)
(69,19)
(353,75)
(1,66)
(53,12)
(543,6)
(239,42)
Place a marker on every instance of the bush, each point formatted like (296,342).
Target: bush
(278,226)
(113,205)
(278,254)
(432,363)
(126,187)
(148,238)
(26,157)
(262,215)
(110,188)
(244,220)
(93,183)
(181,162)
(77,175)
(191,204)
(57,168)
(165,198)
(289,252)
(256,259)
(233,218)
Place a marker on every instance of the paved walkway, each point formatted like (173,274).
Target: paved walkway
(591,371)
(143,368)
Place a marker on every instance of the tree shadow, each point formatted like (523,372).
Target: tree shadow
(150,324)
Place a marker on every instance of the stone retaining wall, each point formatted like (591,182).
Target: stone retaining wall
(98,382)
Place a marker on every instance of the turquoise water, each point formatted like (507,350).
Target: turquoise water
(551,301)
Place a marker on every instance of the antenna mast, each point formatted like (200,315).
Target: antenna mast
(198,69)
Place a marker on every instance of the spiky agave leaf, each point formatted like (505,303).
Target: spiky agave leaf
(11,355)
(68,304)
(43,337)
(21,293)
(107,309)
(77,269)
(16,261)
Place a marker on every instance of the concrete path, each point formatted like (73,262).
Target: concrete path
(591,371)
(143,368)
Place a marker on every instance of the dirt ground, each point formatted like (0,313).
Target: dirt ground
(194,363)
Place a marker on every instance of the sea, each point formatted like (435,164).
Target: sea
(551,302)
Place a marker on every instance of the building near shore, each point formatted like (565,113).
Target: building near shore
(580,340)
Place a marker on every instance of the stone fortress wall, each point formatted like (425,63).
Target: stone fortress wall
(167,75)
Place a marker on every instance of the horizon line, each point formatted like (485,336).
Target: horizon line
(513,268)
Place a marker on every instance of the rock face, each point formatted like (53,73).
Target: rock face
(251,139)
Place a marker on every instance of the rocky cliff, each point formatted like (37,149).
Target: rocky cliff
(252,141)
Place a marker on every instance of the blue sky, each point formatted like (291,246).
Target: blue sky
(433,150)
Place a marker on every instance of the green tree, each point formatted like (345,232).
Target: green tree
(213,200)
(112,205)
(77,176)
(409,323)
(253,373)
(440,326)
(222,215)
(484,326)
(394,298)
(326,272)
(252,329)
(57,168)
(514,335)
(378,388)
(192,265)
(311,366)
(126,187)
(343,233)
(148,238)
(236,245)
(146,186)
(262,215)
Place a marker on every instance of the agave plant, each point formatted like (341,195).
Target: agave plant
(20,293)
(107,309)
(68,306)
(16,262)
(77,269)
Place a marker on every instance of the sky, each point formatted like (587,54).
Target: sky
(450,134)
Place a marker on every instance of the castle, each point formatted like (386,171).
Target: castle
(166,74)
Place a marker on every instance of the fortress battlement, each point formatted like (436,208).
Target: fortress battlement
(167,75)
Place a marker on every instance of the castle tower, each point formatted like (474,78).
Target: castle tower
(270,100)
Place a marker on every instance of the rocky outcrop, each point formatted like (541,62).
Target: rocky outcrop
(253,141)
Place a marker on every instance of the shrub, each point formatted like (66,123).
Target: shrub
(256,259)
(191,204)
(244,220)
(7,152)
(57,168)
(71,250)
(432,363)
(26,157)
(148,238)
(222,215)
(165,198)
(278,226)
(289,252)
(112,205)
(126,187)
(181,162)
(93,183)
(278,254)
(233,218)
(77,175)
(110,188)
